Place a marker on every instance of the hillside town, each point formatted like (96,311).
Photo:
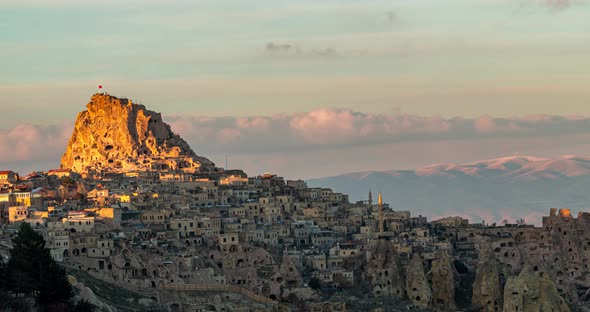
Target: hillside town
(270,238)
(204,238)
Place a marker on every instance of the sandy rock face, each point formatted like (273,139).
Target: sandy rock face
(116,135)
(532,290)
(443,277)
(487,292)
(289,273)
(87,294)
(417,286)
(385,271)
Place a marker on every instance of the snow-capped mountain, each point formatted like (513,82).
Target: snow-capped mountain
(493,190)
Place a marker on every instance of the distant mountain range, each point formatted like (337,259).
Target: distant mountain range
(493,190)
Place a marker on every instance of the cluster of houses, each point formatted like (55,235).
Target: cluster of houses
(274,238)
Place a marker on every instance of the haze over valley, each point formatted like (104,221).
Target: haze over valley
(494,190)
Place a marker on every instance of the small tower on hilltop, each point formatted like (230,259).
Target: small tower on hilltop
(380,203)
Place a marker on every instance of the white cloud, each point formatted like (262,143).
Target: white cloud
(299,143)
(28,146)
(326,128)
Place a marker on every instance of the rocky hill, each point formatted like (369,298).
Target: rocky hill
(116,135)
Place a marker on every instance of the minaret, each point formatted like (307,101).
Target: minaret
(370,200)
(380,202)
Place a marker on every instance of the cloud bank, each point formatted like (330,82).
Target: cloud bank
(299,141)
(27,145)
(330,128)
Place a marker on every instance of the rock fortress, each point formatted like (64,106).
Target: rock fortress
(115,135)
(143,223)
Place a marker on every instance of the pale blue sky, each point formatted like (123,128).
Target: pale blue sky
(454,58)
(304,88)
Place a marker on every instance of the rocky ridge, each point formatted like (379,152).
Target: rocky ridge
(116,135)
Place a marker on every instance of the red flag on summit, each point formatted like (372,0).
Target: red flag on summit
(100,86)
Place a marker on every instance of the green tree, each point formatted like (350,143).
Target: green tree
(315,283)
(3,294)
(32,271)
(2,275)
(26,260)
(7,301)
(54,289)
